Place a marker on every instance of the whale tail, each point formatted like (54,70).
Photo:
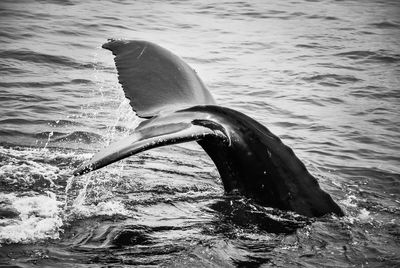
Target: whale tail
(249,158)
(154,79)
(156,82)
(159,131)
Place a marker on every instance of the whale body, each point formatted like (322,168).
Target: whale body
(251,160)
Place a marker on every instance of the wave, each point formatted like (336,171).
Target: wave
(332,79)
(53,123)
(33,218)
(339,66)
(36,57)
(372,56)
(203,60)
(21,121)
(76,136)
(44,84)
(375,92)
(311,45)
(386,25)
(51,137)
(322,17)
(58,2)
(356,54)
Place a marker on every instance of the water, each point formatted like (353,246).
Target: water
(323,75)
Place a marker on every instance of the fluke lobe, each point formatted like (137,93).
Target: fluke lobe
(178,107)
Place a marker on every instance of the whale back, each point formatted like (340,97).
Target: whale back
(154,79)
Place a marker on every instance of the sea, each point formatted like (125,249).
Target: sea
(323,75)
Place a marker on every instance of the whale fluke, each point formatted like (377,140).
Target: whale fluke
(250,159)
(156,132)
(154,79)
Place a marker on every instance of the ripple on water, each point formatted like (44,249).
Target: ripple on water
(382,56)
(31,56)
(386,25)
(334,79)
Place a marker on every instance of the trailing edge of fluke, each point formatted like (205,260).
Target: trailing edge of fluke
(178,107)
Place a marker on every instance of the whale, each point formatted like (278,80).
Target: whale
(177,107)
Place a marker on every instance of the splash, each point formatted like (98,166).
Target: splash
(30,205)
(92,195)
(33,168)
(36,218)
(48,139)
(105,208)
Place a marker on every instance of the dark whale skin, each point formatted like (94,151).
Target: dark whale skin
(255,163)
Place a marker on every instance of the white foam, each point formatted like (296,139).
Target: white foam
(39,218)
(41,153)
(29,172)
(350,201)
(106,208)
(364,215)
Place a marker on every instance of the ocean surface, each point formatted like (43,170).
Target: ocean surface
(322,75)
